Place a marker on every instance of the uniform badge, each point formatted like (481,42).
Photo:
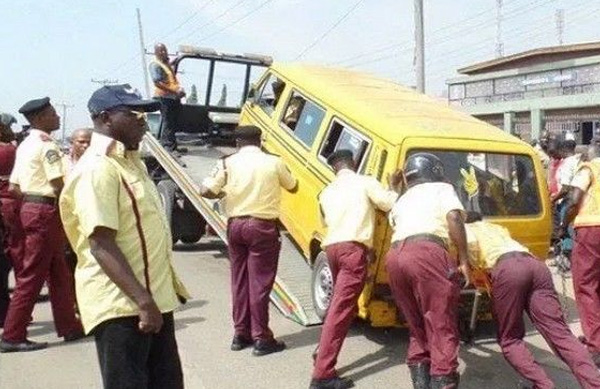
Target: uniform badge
(52,156)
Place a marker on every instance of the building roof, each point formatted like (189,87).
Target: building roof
(534,57)
(385,107)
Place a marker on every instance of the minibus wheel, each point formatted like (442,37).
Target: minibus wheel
(321,285)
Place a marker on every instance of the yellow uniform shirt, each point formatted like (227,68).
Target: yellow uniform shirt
(487,242)
(422,209)
(110,187)
(582,180)
(39,160)
(348,204)
(251,181)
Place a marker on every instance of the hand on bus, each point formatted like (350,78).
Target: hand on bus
(465,270)
(395,181)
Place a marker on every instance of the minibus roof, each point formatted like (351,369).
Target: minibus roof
(390,110)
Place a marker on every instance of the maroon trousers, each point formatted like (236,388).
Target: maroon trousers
(585,268)
(14,238)
(423,279)
(348,263)
(521,283)
(43,261)
(254,246)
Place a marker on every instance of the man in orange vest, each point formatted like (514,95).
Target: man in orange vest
(168,91)
(583,209)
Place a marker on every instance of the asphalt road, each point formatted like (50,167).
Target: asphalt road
(374,358)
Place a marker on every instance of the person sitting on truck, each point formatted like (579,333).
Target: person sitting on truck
(249,183)
(168,91)
(424,279)
(348,207)
(521,283)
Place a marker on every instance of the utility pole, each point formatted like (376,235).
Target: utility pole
(419,46)
(143,53)
(63,119)
(560,25)
(499,43)
(105,81)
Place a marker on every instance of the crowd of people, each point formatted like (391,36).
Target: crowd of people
(98,206)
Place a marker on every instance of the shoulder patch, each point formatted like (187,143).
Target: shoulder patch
(46,138)
(52,156)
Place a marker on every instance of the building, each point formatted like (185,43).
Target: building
(552,88)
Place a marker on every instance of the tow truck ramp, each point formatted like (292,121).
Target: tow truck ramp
(291,293)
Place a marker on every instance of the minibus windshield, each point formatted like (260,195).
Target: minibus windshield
(492,184)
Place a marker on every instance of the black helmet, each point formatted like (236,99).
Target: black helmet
(423,167)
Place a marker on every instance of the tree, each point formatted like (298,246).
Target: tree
(193,97)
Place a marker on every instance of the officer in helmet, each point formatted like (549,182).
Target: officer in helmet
(424,279)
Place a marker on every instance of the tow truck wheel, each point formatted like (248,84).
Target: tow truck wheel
(166,190)
(322,285)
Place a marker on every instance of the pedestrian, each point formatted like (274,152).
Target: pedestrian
(568,167)
(168,92)
(37,178)
(10,206)
(522,283)
(126,286)
(348,207)
(80,141)
(250,183)
(424,279)
(583,210)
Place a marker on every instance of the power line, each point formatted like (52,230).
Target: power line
(186,21)
(333,27)
(256,9)
(213,20)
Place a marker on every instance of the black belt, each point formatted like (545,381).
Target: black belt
(251,217)
(29,198)
(511,254)
(422,237)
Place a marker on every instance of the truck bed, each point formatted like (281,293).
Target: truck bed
(291,293)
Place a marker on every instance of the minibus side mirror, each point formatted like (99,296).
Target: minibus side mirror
(252,95)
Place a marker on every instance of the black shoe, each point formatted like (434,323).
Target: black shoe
(182,150)
(419,374)
(239,343)
(27,345)
(264,347)
(449,381)
(331,383)
(73,336)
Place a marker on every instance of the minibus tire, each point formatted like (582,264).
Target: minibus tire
(321,285)
(167,189)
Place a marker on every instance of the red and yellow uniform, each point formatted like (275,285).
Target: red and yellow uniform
(522,283)
(585,259)
(251,182)
(348,206)
(39,161)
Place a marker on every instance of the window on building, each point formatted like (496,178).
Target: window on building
(303,118)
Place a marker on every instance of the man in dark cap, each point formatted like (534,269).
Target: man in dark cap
(37,178)
(424,279)
(250,183)
(168,91)
(127,289)
(348,207)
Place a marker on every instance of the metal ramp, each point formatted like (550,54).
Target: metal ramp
(291,293)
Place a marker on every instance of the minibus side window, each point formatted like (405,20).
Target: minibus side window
(342,137)
(270,92)
(303,118)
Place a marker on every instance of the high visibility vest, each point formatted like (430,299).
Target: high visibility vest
(171,80)
(589,212)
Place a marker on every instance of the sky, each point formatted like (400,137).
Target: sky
(57,47)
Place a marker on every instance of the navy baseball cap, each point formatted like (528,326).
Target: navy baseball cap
(112,96)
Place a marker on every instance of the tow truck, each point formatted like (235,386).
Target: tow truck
(204,129)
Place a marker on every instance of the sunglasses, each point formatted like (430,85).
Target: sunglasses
(137,114)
